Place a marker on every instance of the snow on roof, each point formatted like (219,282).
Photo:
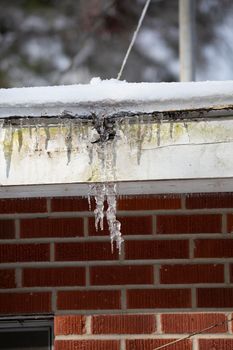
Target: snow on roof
(113,95)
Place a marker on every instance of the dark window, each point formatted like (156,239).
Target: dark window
(26,334)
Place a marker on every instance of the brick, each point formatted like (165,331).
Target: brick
(123,324)
(130,225)
(65,325)
(7,229)
(182,224)
(230,223)
(215,297)
(69,204)
(156,249)
(149,202)
(88,300)
(54,277)
(158,298)
(24,252)
(215,344)
(112,275)
(152,344)
(87,345)
(84,251)
(51,227)
(7,279)
(193,322)
(15,303)
(29,205)
(213,248)
(209,200)
(192,274)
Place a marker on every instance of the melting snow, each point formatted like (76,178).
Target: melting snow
(165,96)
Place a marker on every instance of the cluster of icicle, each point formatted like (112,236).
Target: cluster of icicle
(106,192)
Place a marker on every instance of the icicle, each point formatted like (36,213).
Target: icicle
(89,194)
(150,126)
(99,210)
(158,132)
(20,135)
(171,130)
(37,138)
(30,130)
(47,133)
(187,130)
(106,190)
(113,224)
(8,147)
(140,137)
(68,141)
(102,192)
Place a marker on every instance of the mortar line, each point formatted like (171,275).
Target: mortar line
(193,297)
(122,344)
(230,328)
(54,300)
(158,323)
(106,288)
(201,211)
(88,324)
(191,248)
(162,237)
(156,274)
(52,252)
(45,264)
(140,336)
(226,273)
(183,201)
(17,229)
(154,224)
(48,205)
(123,299)
(195,345)
(87,276)
(122,255)
(85,226)
(224,224)
(18,278)
(141,311)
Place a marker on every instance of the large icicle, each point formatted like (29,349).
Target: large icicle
(106,190)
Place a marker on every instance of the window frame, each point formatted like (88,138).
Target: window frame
(29,323)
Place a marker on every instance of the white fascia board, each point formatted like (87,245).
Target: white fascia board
(161,187)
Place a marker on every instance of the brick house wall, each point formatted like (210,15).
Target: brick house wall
(174,276)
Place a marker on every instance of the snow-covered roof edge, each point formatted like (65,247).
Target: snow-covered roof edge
(113,96)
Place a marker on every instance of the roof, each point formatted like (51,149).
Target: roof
(114,97)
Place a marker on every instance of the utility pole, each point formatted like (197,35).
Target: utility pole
(187,39)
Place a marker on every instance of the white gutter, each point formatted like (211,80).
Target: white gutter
(111,97)
(55,156)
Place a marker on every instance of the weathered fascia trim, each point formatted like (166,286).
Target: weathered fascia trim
(178,138)
(158,187)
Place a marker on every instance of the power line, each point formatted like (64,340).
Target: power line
(133,38)
(193,334)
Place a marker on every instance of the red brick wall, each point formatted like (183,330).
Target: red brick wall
(175,274)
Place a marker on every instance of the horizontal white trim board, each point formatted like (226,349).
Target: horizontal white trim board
(162,187)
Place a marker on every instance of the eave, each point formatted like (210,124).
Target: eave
(189,148)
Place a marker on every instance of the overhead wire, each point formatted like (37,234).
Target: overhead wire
(164,346)
(135,34)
